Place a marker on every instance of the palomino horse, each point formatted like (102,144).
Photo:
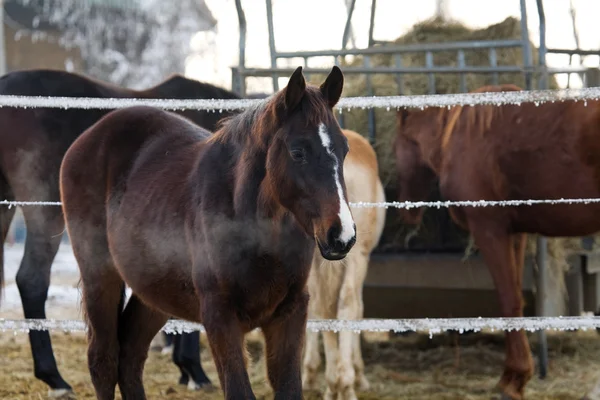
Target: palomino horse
(336,289)
(219,231)
(510,152)
(32,146)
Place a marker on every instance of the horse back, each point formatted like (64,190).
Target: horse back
(46,82)
(135,140)
(49,131)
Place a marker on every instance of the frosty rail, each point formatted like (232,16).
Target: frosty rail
(396,204)
(430,325)
(421,101)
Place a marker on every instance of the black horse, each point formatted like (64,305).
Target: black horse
(32,145)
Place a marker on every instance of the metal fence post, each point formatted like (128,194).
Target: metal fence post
(542,242)
(238,82)
(272,50)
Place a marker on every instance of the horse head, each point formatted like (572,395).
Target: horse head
(304,162)
(412,147)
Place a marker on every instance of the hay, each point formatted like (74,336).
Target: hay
(430,31)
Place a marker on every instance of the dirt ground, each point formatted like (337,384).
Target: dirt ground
(414,367)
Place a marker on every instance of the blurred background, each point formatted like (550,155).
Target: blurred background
(385,47)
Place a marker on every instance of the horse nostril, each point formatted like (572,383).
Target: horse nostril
(333,236)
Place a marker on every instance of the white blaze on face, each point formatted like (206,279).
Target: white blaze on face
(345,216)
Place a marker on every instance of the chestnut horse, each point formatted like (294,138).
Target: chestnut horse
(220,231)
(336,289)
(509,152)
(32,146)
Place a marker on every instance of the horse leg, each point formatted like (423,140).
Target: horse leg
(187,357)
(103,290)
(361,382)
(45,226)
(103,299)
(226,341)
(349,308)
(520,244)
(176,346)
(498,250)
(169,343)
(138,325)
(312,358)
(330,343)
(284,337)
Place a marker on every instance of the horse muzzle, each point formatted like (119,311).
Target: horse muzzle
(335,249)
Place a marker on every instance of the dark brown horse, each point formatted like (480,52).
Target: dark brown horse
(32,145)
(549,151)
(219,231)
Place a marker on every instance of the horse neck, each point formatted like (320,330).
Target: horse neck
(252,196)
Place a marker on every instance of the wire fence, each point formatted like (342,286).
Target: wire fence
(397,204)
(431,325)
(389,102)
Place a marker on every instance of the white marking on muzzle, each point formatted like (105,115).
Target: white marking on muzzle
(345,216)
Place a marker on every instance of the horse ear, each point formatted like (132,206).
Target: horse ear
(333,85)
(295,89)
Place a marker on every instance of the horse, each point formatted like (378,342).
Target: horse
(32,146)
(336,290)
(218,229)
(510,152)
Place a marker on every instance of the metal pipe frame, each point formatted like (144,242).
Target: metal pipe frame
(348,24)
(411,48)
(272,49)
(526,46)
(372,22)
(238,84)
(267,72)
(542,242)
(543,83)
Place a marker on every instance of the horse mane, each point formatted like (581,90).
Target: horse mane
(260,121)
(470,120)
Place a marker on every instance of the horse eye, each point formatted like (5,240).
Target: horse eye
(297,155)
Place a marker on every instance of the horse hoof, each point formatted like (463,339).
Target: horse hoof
(362,384)
(167,350)
(61,394)
(205,387)
(309,383)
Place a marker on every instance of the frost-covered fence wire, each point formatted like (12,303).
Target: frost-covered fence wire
(430,325)
(389,102)
(395,204)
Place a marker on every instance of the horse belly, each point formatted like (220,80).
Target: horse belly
(559,220)
(570,181)
(153,261)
